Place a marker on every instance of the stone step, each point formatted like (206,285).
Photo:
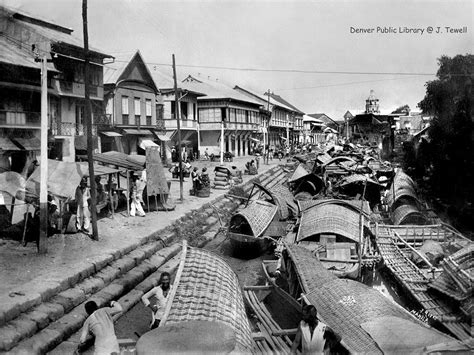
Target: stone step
(128,288)
(59,306)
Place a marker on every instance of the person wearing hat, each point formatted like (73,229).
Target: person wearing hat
(195,178)
(135,204)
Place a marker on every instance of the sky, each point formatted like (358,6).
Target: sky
(296,42)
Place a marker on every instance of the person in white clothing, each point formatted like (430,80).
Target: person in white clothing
(161,293)
(101,325)
(83,214)
(313,334)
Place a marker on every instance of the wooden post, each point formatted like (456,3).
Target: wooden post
(180,154)
(88,120)
(128,194)
(43,198)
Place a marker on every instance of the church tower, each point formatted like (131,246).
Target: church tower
(372,104)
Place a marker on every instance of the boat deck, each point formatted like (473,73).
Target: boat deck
(413,280)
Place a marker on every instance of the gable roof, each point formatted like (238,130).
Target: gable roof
(134,70)
(163,78)
(216,90)
(262,99)
(323,117)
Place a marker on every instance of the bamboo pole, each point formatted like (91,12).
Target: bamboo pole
(43,198)
(176,111)
(414,250)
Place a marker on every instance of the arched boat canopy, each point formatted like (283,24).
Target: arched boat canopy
(205,294)
(329,218)
(356,205)
(408,214)
(299,172)
(257,216)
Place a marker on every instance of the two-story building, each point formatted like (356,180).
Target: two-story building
(296,121)
(280,122)
(134,105)
(187,110)
(26,38)
(241,116)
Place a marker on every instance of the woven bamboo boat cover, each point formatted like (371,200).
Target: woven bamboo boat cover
(358,178)
(407,213)
(410,277)
(283,193)
(329,219)
(340,159)
(258,214)
(355,204)
(343,304)
(206,289)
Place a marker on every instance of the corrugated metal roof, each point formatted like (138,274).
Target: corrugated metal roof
(7,144)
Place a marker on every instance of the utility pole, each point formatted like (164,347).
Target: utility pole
(43,198)
(176,112)
(88,120)
(222,141)
(265,128)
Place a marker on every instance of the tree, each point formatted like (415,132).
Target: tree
(405,109)
(449,100)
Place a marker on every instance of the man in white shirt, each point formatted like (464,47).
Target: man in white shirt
(101,325)
(161,293)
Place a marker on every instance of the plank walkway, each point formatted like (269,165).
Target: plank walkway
(415,282)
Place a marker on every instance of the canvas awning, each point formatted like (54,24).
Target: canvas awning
(144,143)
(6,144)
(111,134)
(28,143)
(137,132)
(163,137)
(64,177)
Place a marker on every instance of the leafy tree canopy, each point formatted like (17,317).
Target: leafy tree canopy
(405,109)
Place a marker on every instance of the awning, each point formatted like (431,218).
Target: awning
(163,137)
(111,134)
(144,143)
(137,132)
(6,144)
(28,143)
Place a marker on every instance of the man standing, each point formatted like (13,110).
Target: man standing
(83,214)
(160,292)
(313,334)
(101,325)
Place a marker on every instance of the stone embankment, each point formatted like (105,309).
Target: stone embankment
(53,319)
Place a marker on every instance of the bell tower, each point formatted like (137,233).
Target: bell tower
(372,104)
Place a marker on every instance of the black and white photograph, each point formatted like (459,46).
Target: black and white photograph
(236,177)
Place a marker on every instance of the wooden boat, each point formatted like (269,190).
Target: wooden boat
(367,321)
(423,281)
(335,232)
(264,216)
(205,313)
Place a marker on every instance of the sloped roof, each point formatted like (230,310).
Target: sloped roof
(19,56)
(314,120)
(163,77)
(135,69)
(323,117)
(216,90)
(284,102)
(54,32)
(262,99)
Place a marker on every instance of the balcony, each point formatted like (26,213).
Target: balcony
(20,119)
(73,129)
(78,89)
(173,124)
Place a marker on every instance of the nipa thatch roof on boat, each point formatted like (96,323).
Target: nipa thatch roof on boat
(395,194)
(282,193)
(206,289)
(356,205)
(258,214)
(329,219)
(345,304)
(408,214)
(358,179)
(340,159)
(402,179)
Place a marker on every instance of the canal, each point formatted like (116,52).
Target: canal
(136,322)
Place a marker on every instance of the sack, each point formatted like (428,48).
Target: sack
(220,178)
(221,174)
(222,187)
(221,183)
